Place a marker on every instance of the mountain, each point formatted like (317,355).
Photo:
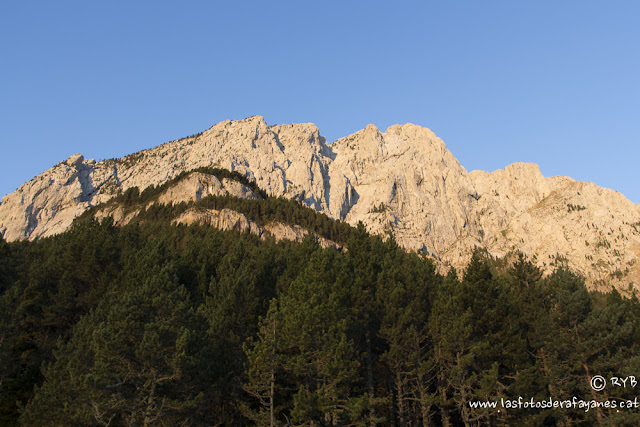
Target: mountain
(403,180)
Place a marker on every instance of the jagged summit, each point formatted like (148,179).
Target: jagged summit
(404,179)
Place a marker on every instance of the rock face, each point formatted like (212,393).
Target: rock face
(404,180)
(227,219)
(557,219)
(198,185)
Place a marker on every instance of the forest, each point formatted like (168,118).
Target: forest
(158,324)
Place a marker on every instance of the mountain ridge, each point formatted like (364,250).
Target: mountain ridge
(404,180)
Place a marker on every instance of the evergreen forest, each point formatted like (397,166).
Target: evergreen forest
(157,324)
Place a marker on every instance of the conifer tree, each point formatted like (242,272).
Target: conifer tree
(451,331)
(402,291)
(134,360)
(263,364)
(304,336)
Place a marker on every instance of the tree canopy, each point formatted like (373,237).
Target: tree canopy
(160,324)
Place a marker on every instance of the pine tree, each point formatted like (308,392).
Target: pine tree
(7,270)
(263,361)
(365,258)
(133,360)
(451,331)
(403,290)
(302,354)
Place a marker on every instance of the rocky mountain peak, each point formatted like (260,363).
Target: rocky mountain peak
(404,180)
(409,131)
(367,142)
(75,160)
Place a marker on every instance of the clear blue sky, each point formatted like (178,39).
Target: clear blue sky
(550,82)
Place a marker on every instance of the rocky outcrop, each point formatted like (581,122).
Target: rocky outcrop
(48,203)
(290,160)
(224,219)
(295,233)
(407,181)
(402,180)
(198,185)
(227,219)
(557,220)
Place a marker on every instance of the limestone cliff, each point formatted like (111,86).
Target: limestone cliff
(404,180)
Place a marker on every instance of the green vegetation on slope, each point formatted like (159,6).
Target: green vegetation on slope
(157,324)
(262,210)
(133,196)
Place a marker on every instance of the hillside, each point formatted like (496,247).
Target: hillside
(162,319)
(404,180)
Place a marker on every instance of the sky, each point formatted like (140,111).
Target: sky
(550,82)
